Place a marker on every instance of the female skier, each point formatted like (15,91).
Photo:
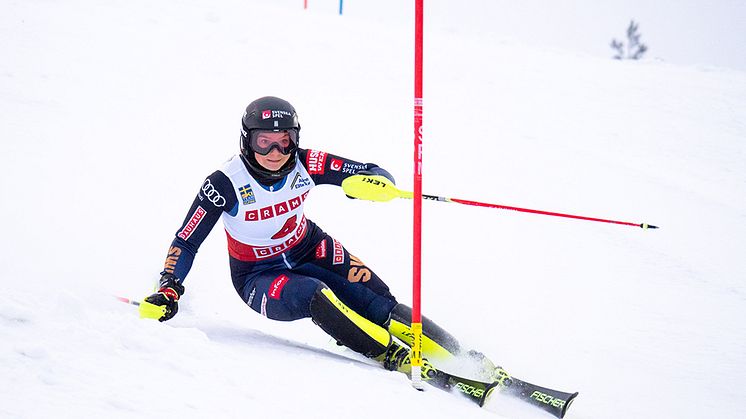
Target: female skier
(282,264)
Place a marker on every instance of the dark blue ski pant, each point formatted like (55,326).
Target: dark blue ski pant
(282,288)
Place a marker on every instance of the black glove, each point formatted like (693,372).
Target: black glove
(379,172)
(168,295)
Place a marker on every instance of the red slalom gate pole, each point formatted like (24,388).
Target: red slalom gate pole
(416,325)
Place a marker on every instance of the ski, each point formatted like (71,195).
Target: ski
(476,391)
(553,401)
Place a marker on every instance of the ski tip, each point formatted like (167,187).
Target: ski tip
(568,402)
(645,226)
(488,391)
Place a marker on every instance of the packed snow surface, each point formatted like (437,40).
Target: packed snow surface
(112,113)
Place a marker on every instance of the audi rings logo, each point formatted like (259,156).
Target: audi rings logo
(212,194)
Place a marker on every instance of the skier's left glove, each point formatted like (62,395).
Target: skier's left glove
(167,297)
(378,171)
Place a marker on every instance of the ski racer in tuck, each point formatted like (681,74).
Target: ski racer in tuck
(282,264)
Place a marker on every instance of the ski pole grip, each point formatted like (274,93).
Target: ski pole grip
(370,188)
(151,311)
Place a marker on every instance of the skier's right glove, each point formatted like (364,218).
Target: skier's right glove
(167,296)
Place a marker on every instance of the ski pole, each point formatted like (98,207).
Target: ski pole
(408,195)
(378,188)
(127,301)
(146,309)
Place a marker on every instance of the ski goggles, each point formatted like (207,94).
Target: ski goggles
(263,141)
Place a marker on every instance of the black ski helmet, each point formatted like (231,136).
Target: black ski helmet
(269,113)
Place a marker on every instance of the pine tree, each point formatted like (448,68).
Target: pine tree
(635,49)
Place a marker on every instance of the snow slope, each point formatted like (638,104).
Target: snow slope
(112,113)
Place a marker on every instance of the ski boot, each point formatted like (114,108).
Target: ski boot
(488,370)
(398,358)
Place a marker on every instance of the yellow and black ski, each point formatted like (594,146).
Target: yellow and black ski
(553,401)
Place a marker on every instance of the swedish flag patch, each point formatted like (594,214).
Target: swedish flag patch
(247,195)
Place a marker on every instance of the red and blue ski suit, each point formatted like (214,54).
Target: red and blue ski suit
(277,256)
